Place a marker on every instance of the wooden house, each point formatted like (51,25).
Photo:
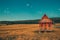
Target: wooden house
(46,24)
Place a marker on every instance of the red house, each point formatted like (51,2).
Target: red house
(45,24)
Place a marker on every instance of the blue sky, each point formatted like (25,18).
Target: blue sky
(11,10)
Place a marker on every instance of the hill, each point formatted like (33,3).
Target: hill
(55,20)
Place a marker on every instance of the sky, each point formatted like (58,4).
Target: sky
(12,10)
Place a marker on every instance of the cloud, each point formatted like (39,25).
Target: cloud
(59,9)
(29,5)
(6,10)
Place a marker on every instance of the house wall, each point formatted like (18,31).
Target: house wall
(46,26)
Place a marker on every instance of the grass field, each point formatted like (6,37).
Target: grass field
(27,32)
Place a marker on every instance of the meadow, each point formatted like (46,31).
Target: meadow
(27,32)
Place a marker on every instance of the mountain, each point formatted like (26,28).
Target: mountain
(55,20)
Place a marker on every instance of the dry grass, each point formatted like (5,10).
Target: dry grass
(27,32)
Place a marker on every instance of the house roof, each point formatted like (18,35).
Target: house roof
(45,19)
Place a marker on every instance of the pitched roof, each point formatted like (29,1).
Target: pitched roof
(45,19)
(45,16)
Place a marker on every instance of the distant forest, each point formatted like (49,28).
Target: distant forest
(55,20)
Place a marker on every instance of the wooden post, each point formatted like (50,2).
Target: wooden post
(47,28)
(43,27)
(51,26)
